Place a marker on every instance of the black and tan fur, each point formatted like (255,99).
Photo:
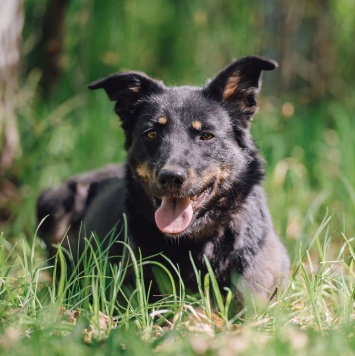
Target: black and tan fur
(182,143)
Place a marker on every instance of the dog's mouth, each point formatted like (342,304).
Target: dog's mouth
(175,214)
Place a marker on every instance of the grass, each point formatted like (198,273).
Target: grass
(91,311)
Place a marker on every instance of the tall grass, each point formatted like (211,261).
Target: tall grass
(91,309)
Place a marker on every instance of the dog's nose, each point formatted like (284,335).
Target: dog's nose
(169,178)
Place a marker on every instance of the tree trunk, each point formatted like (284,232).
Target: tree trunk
(52,44)
(11,23)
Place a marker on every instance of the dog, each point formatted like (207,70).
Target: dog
(191,185)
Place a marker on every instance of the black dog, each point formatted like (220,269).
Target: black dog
(192,182)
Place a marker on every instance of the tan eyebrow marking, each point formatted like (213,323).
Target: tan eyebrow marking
(197,125)
(142,171)
(162,120)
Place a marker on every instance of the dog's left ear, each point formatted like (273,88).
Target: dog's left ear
(237,85)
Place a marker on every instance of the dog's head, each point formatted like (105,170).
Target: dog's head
(190,147)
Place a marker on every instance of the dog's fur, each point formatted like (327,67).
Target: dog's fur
(192,182)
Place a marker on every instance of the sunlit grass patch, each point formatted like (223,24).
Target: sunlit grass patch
(93,309)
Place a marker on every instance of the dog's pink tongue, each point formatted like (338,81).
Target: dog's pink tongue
(174,215)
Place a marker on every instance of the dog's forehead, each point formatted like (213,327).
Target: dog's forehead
(185,103)
(177,98)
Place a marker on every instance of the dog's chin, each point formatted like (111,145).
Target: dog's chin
(183,222)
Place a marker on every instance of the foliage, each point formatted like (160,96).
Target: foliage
(91,311)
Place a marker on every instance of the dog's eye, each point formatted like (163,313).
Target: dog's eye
(206,136)
(152,134)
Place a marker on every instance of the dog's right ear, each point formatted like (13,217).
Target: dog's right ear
(126,89)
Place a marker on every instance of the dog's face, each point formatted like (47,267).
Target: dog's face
(190,147)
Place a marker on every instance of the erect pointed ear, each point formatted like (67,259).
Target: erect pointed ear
(237,85)
(126,89)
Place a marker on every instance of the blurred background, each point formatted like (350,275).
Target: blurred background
(51,126)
